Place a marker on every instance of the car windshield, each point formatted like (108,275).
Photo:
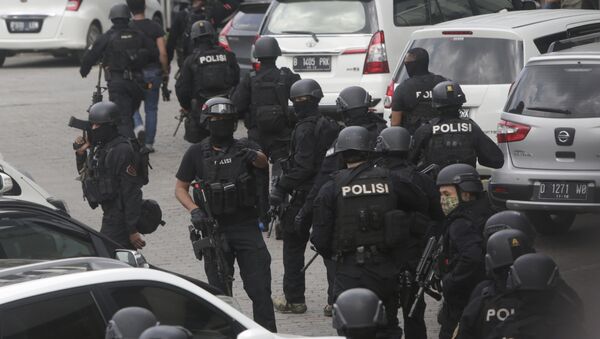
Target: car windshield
(320,17)
(557,91)
(472,61)
(248,18)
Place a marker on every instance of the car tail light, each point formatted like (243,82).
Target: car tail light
(73,5)
(389,93)
(223,36)
(354,51)
(509,131)
(256,66)
(376,61)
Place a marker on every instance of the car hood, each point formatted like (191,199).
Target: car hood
(33,7)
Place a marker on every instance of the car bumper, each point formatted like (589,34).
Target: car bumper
(70,35)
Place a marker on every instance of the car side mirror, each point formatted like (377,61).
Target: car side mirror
(256,333)
(6,183)
(131,257)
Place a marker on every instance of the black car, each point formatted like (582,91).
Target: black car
(29,231)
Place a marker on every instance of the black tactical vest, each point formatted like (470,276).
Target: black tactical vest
(229,181)
(212,74)
(363,199)
(420,115)
(451,142)
(268,109)
(125,51)
(100,182)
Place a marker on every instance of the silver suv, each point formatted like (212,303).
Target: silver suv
(550,135)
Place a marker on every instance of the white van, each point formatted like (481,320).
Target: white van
(484,54)
(342,43)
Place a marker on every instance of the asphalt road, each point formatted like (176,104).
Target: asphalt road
(38,95)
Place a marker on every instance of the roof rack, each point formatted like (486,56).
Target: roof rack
(561,45)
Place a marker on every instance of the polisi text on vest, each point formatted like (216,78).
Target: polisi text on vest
(365,189)
(452,128)
(207,59)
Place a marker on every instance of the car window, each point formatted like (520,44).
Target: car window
(70,316)
(248,18)
(320,17)
(177,307)
(429,12)
(557,91)
(472,61)
(25,237)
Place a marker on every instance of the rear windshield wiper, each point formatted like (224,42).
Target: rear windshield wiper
(549,109)
(313,34)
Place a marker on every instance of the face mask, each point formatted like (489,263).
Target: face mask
(221,131)
(448,203)
(305,108)
(356,117)
(102,134)
(414,68)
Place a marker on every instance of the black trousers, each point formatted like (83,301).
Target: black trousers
(449,317)
(113,224)
(245,244)
(414,328)
(128,95)
(382,279)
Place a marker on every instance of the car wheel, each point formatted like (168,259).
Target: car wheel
(2,58)
(158,19)
(550,223)
(94,31)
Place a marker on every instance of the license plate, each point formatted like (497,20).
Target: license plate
(312,63)
(561,190)
(24,26)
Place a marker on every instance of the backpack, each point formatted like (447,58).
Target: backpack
(270,100)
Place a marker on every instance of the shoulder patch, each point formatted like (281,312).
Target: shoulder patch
(131,171)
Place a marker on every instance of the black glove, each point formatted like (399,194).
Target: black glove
(199,218)
(276,196)
(248,155)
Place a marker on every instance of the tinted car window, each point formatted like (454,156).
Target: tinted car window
(25,237)
(174,307)
(557,91)
(429,12)
(320,17)
(248,19)
(72,316)
(472,61)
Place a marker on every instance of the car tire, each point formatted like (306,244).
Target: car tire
(93,33)
(2,58)
(551,223)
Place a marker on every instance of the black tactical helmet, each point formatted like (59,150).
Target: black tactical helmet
(129,323)
(355,138)
(533,272)
(266,47)
(150,217)
(219,106)
(358,308)
(462,175)
(353,97)
(393,139)
(166,332)
(104,112)
(306,87)
(509,220)
(447,94)
(504,247)
(119,11)
(202,28)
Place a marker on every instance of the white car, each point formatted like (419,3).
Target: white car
(485,53)
(343,43)
(61,27)
(75,298)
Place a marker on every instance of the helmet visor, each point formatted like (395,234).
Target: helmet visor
(220,109)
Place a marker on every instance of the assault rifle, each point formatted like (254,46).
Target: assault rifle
(182,115)
(211,239)
(97,95)
(311,260)
(426,276)
(273,214)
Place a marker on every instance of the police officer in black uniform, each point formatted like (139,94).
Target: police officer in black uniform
(508,219)
(450,139)
(110,176)
(411,103)
(225,167)
(208,72)
(166,332)
(180,39)
(546,307)
(311,137)
(130,322)
(358,314)
(360,215)
(262,99)
(124,52)
(488,306)
(462,262)
(393,144)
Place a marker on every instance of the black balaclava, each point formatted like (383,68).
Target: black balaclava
(267,62)
(203,43)
(221,131)
(356,116)
(352,156)
(103,134)
(450,112)
(306,108)
(421,64)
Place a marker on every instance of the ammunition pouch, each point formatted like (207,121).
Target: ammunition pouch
(98,190)
(226,198)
